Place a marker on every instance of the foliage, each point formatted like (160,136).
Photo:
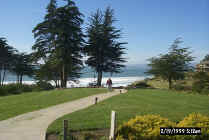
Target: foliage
(181,86)
(6,59)
(43,74)
(13,88)
(139,84)
(148,128)
(173,65)
(195,120)
(105,52)
(3,91)
(10,89)
(201,83)
(205,91)
(59,41)
(22,66)
(142,84)
(13,61)
(44,85)
(144,127)
(206,58)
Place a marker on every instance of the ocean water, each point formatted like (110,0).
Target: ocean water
(129,74)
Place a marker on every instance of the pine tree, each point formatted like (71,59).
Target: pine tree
(105,52)
(172,65)
(60,37)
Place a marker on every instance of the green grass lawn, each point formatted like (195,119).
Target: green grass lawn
(14,105)
(170,104)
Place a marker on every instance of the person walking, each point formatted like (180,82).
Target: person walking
(109,84)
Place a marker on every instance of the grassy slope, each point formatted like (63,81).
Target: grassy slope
(11,106)
(172,105)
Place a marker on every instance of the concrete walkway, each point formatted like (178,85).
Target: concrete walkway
(33,125)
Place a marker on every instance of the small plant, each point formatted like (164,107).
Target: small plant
(144,127)
(201,84)
(195,120)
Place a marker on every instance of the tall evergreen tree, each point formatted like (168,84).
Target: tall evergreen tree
(103,48)
(70,40)
(60,36)
(173,65)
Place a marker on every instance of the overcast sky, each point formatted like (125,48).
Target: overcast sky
(149,26)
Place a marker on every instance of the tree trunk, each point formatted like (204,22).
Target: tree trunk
(99,79)
(170,82)
(0,76)
(60,78)
(17,78)
(63,77)
(4,74)
(58,83)
(21,77)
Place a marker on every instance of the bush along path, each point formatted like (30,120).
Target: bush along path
(33,125)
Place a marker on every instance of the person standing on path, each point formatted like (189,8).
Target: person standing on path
(109,84)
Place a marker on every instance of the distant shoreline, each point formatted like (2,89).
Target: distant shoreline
(83,82)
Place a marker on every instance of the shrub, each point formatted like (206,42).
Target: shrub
(148,128)
(198,86)
(17,89)
(139,84)
(195,120)
(13,88)
(201,83)
(3,91)
(142,84)
(44,85)
(27,88)
(181,87)
(205,91)
(144,127)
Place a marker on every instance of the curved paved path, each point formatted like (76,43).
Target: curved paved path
(33,125)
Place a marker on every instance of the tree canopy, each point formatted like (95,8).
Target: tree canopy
(6,59)
(206,58)
(172,65)
(104,51)
(14,62)
(59,41)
